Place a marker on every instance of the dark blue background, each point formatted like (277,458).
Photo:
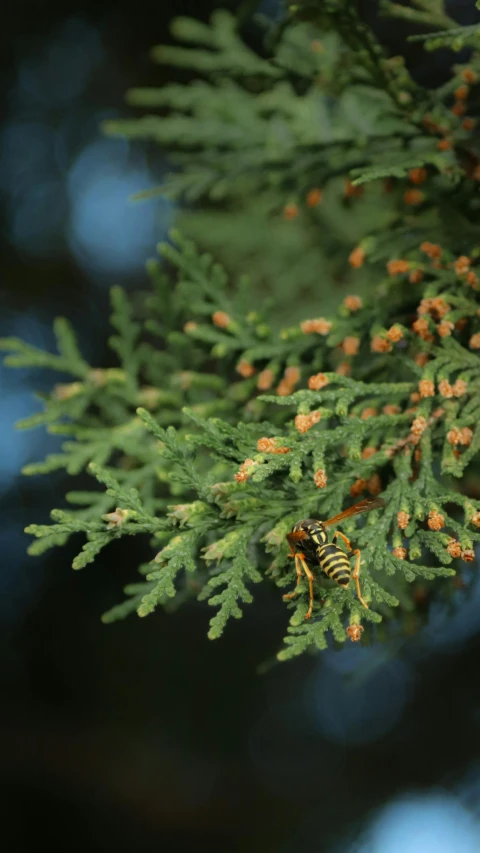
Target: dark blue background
(144,735)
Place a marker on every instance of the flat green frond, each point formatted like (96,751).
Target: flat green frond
(226,52)
(455,37)
(90,550)
(398,167)
(68,347)
(426,12)
(234,579)
(177,555)
(68,361)
(125,342)
(25,355)
(127,498)
(130,605)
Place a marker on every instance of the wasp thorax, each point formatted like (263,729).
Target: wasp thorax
(316,535)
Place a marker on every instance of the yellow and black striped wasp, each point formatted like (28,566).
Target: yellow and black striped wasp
(312,537)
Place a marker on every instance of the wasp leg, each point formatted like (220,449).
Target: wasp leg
(355,576)
(309,575)
(298,570)
(347,541)
(300,565)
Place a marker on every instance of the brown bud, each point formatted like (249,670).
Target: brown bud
(315,383)
(379,344)
(413,197)
(468,555)
(445,389)
(245,369)
(401,553)
(435,520)
(454,548)
(320,478)
(462,265)
(353,303)
(419,425)
(358,487)
(221,319)
(418,176)
(354,632)
(350,345)
(459,388)
(266,445)
(431,249)
(265,380)
(426,388)
(469,75)
(374,485)
(319,326)
(461,94)
(356,257)
(314,197)
(445,328)
(292,375)
(398,266)
(290,211)
(394,334)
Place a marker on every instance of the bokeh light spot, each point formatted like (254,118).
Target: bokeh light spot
(25,155)
(17,447)
(449,627)
(360,710)
(288,755)
(63,71)
(109,232)
(433,823)
(38,219)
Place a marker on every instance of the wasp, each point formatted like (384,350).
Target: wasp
(316,550)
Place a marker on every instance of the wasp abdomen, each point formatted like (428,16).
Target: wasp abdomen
(334,563)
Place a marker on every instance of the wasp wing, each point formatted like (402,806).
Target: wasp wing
(363,506)
(296,536)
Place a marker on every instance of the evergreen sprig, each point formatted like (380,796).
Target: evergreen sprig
(231,417)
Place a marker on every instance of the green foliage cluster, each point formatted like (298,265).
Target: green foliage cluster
(232,415)
(251,134)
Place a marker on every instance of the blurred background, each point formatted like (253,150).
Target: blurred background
(145,735)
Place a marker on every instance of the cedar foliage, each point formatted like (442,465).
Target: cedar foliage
(244,403)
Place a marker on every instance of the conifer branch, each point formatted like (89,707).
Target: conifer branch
(230,418)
